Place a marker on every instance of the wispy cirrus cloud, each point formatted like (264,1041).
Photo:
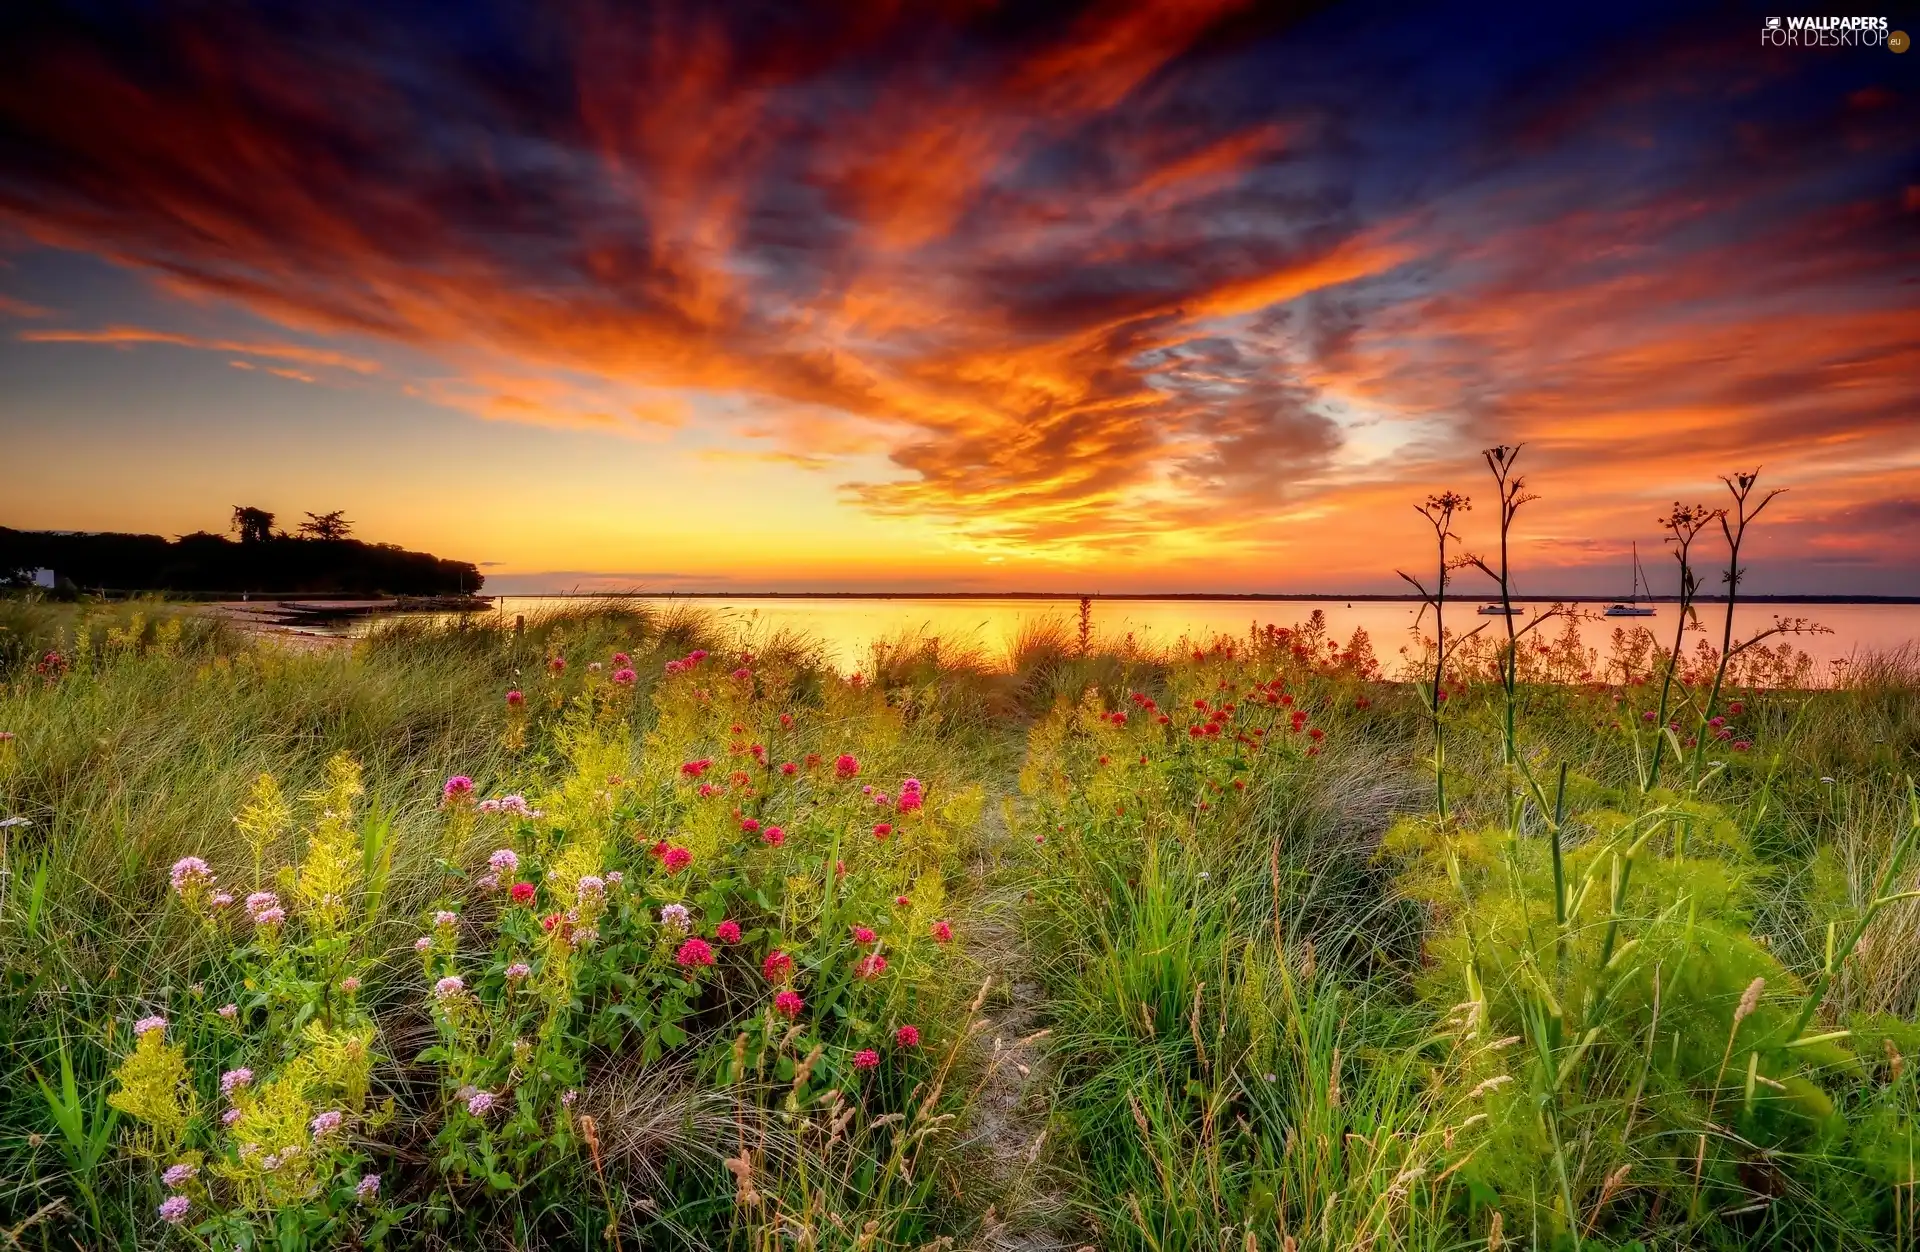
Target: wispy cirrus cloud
(132,336)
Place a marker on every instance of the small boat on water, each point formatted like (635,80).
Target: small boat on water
(1501,610)
(1633,607)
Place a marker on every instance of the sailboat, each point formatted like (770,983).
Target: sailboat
(1633,607)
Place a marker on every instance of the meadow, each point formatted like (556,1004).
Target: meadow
(624,932)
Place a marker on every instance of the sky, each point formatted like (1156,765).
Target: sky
(1150,295)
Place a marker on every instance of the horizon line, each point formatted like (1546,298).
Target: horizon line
(1252,596)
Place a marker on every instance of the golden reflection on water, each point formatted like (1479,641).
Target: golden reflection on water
(847,627)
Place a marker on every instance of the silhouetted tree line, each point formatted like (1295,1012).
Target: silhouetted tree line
(319,558)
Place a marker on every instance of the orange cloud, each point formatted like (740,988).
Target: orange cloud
(128,336)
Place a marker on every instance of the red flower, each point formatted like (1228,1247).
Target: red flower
(522,893)
(676,859)
(881,830)
(777,966)
(515,699)
(1163,719)
(862,934)
(786,721)
(1316,734)
(550,921)
(870,966)
(847,766)
(901,902)
(943,932)
(789,768)
(813,759)
(788,1004)
(694,952)
(693,769)
(907,1037)
(750,825)
(866,1058)
(727,931)
(621,658)
(557,664)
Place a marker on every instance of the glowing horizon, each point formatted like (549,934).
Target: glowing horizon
(1139,297)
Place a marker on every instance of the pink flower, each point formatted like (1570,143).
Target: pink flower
(270,917)
(866,1058)
(749,824)
(557,664)
(907,1037)
(727,931)
(367,1189)
(423,944)
(742,674)
(325,1124)
(174,1209)
(230,1011)
(870,967)
(480,1103)
(1736,708)
(846,766)
(504,861)
(234,1079)
(518,971)
(259,902)
(522,893)
(1647,716)
(349,985)
(909,800)
(862,934)
(147,1025)
(457,790)
(449,987)
(773,836)
(942,932)
(788,1004)
(777,967)
(221,899)
(446,918)
(694,952)
(882,829)
(625,677)
(697,655)
(190,873)
(515,699)
(676,859)
(178,1176)
(1741,745)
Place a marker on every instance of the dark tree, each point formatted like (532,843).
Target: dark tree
(329,526)
(254,525)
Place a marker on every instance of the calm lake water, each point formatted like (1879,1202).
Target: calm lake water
(847,627)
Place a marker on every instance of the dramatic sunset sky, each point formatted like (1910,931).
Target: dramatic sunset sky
(1132,296)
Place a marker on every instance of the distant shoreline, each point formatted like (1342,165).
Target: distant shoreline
(1222,597)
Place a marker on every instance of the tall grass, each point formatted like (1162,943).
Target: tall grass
(1291,1006)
